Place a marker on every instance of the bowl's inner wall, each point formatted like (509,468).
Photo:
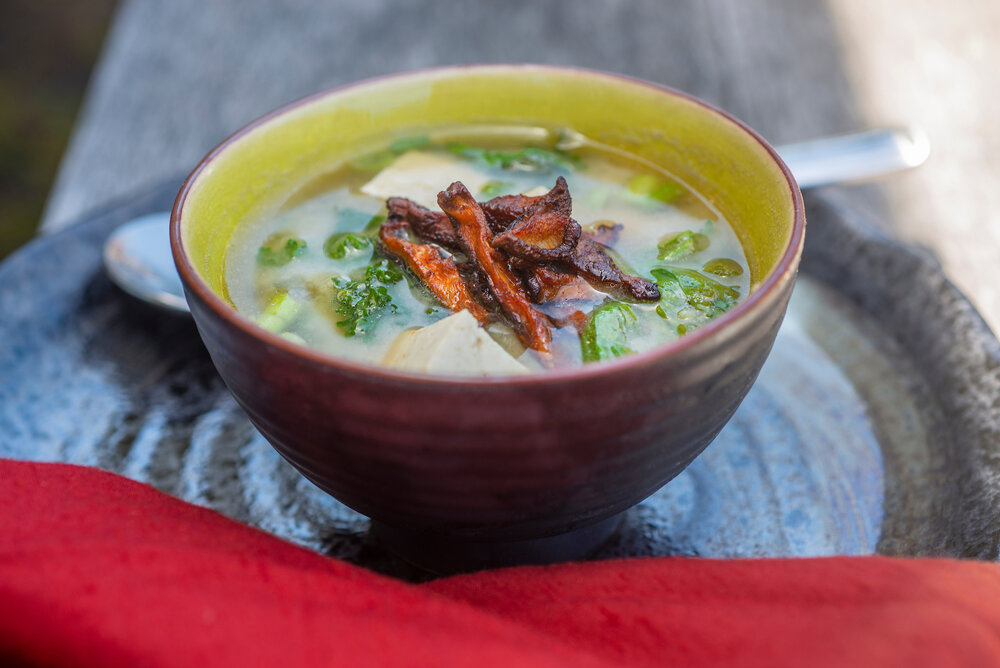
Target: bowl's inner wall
(257,172)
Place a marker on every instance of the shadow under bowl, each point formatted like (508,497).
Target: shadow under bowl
(460,473)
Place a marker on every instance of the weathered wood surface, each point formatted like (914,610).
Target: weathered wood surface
(176,77)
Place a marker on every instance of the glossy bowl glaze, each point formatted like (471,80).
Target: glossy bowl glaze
(461,473)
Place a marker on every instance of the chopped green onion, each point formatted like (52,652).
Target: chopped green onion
(279,313)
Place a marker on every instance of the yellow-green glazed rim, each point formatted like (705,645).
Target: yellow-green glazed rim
(261,166)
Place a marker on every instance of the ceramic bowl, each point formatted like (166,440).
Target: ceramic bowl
(464,473)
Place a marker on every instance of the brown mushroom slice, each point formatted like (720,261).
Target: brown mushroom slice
(604,232)
(546,283)
(438,273)
(478,285)
(475,235)
(540,237)
(590,261)
(503,211)
(432,226)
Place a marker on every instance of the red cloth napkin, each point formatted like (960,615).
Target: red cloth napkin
(97,570)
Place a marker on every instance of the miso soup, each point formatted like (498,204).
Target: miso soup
(558,251)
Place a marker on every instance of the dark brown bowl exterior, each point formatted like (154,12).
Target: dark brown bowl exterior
(502,461)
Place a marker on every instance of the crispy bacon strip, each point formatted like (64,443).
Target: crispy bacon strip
(591,262)
(475,235)
(545,232)
(438,273)
(432,226)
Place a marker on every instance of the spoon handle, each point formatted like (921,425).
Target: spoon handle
(855,157)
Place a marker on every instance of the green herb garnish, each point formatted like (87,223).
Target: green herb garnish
(723,266)
(363,302)
(655,187)
(682,245)
(279,249)
(702,293)
(492,189)
(606,333)
(342,244)
(530,159)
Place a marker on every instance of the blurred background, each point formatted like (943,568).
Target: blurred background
(47,51)
(171,79)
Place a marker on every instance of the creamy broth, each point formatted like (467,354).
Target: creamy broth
(659,217)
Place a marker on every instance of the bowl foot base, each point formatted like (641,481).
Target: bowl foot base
(445,555)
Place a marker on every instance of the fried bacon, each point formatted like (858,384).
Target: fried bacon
(474,236)
(438,273)
(544,232)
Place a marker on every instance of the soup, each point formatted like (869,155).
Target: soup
(488,251)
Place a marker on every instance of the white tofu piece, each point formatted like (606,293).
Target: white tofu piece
(456,345)
(419,176)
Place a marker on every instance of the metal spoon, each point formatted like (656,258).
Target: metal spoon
(137,254)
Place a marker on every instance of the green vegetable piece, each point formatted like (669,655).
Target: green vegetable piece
(339,246)
(530,159)
(379,160)
(702,293)
(375,161)
(492,189)
(384,272)
(684,328)
(667,192)
(653,186)
(723,266)
(405,144)
(606,334)
(682,245)
(279,249)
(364,301)
(672,297)
(279,313)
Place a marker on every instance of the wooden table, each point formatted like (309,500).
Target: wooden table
(176,77)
